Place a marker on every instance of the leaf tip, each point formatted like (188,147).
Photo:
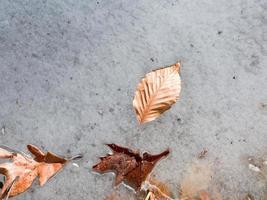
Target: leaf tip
(178,66)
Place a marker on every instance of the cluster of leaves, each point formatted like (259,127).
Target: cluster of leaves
(195,184)
(154,95)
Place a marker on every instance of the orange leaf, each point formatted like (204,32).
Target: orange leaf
(22,171)
(129,166)
(156,92)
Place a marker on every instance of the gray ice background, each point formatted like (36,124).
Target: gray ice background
(69,69)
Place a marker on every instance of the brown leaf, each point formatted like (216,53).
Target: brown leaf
(129,166)
(156,92)
(22,171)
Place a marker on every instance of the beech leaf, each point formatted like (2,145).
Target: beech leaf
(23,169)
(129,166)
(156,93)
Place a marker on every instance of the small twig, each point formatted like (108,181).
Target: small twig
(148,196)
(6,193)
(76,157)
(154,187)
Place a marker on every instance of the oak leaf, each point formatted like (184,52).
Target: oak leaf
(129,166)
(23,170)
(156,93)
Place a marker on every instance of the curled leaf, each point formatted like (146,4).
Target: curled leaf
(129,165)
(156,93)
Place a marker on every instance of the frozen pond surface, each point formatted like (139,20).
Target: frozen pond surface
(69,69)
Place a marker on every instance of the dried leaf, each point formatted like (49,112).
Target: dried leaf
(22,171)
(129,166)
(156,92)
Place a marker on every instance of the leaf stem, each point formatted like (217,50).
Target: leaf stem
(76,157)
